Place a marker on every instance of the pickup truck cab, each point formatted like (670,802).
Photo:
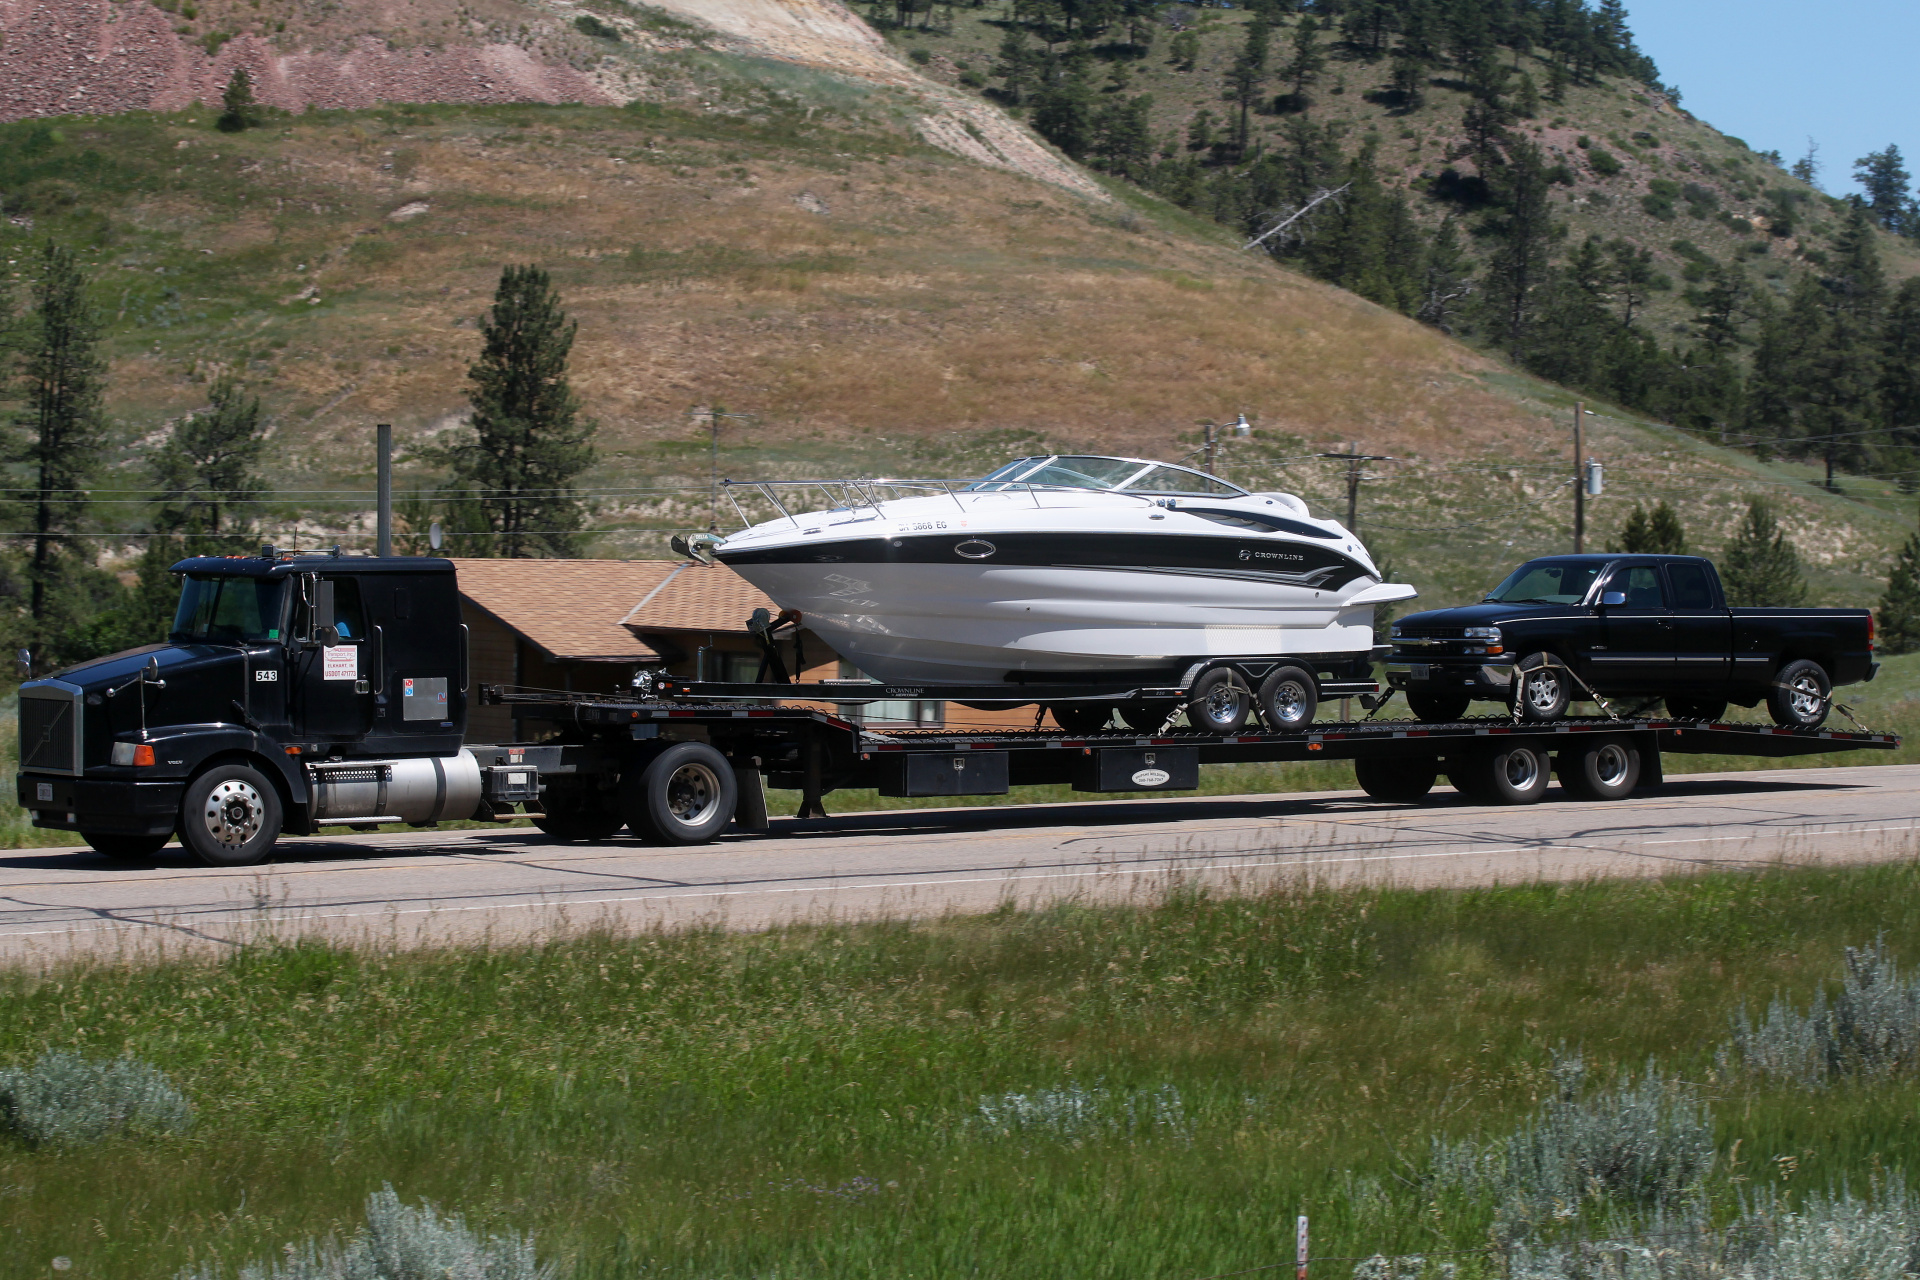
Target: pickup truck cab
(1566,628)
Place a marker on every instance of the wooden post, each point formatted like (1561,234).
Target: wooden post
(1300,1249)
(1579,479)
(383,492)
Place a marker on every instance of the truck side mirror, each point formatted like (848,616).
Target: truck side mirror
(326,636)
(323,631)
(1613,597)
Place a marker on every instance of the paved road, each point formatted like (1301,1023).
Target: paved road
(510,884)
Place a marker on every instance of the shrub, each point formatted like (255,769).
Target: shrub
(403,1243)
(973,80)
(66,1100)
(1643,1143)
(588,25)
(922,56)
(1871,1028)
(1602,162)
(1077,1112)
(1658,207)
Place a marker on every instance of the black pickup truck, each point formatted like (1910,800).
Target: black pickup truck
(1564,628)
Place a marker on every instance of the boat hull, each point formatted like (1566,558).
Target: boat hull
(910,609)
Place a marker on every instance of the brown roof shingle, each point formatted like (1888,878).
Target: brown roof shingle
(598,609)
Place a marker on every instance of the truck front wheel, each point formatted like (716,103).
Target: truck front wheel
(230,816)
(1800,696)
(685,795)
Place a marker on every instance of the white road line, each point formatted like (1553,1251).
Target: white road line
(1788,831)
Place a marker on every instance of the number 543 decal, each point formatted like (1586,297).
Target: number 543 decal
(266,675)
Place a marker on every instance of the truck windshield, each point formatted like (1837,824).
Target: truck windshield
(228,610)
(1546,582)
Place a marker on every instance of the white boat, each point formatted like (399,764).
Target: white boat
(1059,567)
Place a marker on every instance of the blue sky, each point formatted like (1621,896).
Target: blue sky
(1772,73)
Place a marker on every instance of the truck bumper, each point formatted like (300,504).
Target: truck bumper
(112,807)
(1481,679)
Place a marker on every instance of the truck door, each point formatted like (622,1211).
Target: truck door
(1638,634)
(1702,629)
(332,692)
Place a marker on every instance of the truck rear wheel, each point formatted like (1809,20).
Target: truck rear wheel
(132,848)
(230,816)
(1800,695)
(1515,774)
(1401,781)
(1607,769)
(685,795)
(1288,700)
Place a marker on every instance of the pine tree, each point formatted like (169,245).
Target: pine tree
(1408,84)
(1760,569)
(1842,375)
(1309,58)
(529,443)
(237,109)
(1655,533)
(1063,112)
(1446,280)
(1899,611)
(1526,233)
(62,381)
(1900,383)
(1884,176)
(206,471)
(1248,74)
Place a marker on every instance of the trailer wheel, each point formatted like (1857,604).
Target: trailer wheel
(111,845)
(1288,699)
(1438,708)
(1082,717)
(576,812)
(1800,695)
(1605,769)
(685,795)
(1515,774)
(1218,702)
(1148,717)
(1401,781)
(230,816)
(1543,689)
(1696,708)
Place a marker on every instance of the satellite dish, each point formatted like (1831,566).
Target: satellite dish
(435,535)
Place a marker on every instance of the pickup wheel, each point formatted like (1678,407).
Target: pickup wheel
(1218,702)
(684,795)
(1438,708)
(130,848)
(1288,700)
(230,816)
(1603,769)
(1401,781)
(1082,717)
(1801,695)
(1542,687)
(1696,708)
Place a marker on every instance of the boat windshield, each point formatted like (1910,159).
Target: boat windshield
(215,610)
(1546,582)
(1085,471)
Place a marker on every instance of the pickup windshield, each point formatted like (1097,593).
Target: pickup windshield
(1546,582)
(228,610)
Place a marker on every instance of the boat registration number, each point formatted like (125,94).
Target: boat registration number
(1416,671)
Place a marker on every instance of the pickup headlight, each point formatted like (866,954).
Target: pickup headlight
(1393,633)
(1482,633)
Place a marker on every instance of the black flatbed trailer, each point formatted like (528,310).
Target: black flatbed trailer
(816,752)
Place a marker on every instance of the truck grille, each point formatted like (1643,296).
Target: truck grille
(49,731)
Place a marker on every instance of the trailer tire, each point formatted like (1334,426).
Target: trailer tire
(1438,708)
(685,795)
(230,816)
(1288,700)
(1508,774)
(1604,769)
(1682,708)
(1800,696)
(574,812)
(1148,717)
(1082,717)
(1218,702)
(130,848)
(1404,781)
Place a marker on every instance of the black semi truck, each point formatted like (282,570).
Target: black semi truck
(298,692)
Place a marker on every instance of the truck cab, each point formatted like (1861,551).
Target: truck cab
(291,689)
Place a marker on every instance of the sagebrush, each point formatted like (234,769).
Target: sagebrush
(67,1100)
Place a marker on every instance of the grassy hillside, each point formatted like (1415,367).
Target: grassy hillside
(799,256)
(1126,1092)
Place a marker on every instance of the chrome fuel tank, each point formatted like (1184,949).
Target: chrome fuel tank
(419,790)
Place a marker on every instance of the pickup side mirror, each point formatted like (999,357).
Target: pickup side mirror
(23,663)
(1613,597)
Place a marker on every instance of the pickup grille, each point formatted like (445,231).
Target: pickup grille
(49,731)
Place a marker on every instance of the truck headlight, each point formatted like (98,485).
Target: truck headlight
(132,753)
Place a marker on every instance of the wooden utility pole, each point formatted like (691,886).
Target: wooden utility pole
(383,492)
(1353,458)
(1579,479)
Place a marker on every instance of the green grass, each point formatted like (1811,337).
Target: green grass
(806,1102)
